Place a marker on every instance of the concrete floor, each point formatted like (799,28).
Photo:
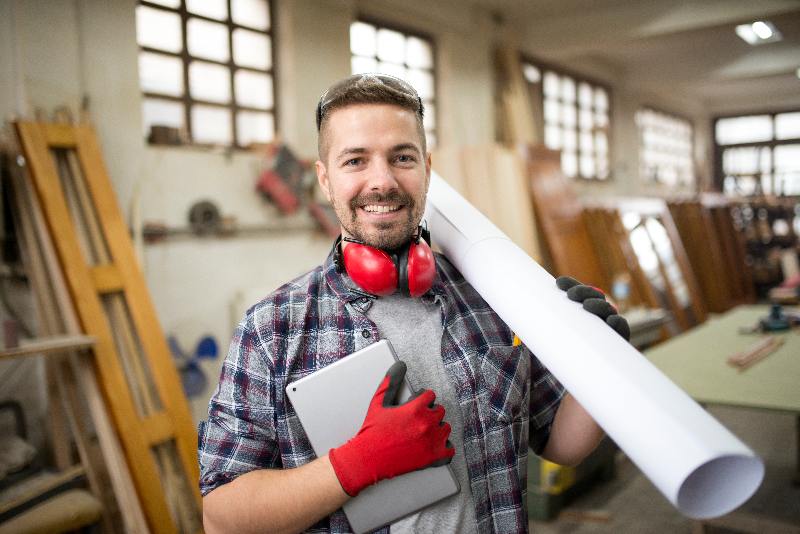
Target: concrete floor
(631,504)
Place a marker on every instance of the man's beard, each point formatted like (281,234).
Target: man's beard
(386,236)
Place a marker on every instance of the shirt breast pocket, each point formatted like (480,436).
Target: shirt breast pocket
(505,373)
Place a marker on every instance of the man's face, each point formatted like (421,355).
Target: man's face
(375,174)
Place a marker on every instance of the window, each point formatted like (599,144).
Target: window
(665,148)
(376,48)
(205,69)
(758,154)
(575,116)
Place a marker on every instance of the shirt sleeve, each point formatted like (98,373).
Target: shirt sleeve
(240,435)
(546,395)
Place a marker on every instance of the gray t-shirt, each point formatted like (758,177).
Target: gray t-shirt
(414,328)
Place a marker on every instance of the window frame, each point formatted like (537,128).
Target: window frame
(408,31)
(719,174)
(536,93)
(186,58)
(680,117)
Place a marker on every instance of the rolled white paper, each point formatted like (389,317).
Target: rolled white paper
(700,466)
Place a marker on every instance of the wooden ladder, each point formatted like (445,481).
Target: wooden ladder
(137,375)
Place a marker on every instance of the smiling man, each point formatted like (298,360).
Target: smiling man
(381,281)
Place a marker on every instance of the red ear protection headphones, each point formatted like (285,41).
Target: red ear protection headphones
(411,269)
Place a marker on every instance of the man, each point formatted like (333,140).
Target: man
(258,471)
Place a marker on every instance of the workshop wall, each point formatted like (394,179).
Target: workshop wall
(54,53)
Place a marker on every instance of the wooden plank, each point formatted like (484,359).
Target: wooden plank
(40,487)
(559,214)
(49,345)
(158,428)
(106,279)
(59,135)
(94,322)
(140,304)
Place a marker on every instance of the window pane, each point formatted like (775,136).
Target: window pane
(422,81)
(601,118)
(160,29)
(209,82)
(787,158)
(160,74)
(568,115)
(253,89)
(213,9)
(162,113)
(531,73)
(568,89)
(569,164)
(600,99)
(207,40)
(787,125)
(391,46)
(570,140)
(392,69)
(585,95)
(418,53)
(587,167)
(251,13)
(586,143)
(211,125)
(552,136)
(363,39)
(251,49)
(360,65)
(744,129)
(585,121)
(551,85)
(552,111)
(601,142)
(254,127)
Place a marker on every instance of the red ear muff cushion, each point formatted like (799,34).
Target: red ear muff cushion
(421,269)
(371,268)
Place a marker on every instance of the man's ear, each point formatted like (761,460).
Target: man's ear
(427,170)
(322,178)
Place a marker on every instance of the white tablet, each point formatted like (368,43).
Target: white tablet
(332,404)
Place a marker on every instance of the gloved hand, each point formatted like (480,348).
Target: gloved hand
(594,301)
(394,439)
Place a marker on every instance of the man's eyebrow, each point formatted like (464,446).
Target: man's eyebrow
(347,151)
(406,146)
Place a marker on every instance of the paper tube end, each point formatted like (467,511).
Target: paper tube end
(720,486)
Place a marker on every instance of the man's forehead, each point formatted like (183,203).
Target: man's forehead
(348,121)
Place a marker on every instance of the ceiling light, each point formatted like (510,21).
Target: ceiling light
(798,72)
(758,32)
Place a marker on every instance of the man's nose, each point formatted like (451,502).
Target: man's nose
(382,177)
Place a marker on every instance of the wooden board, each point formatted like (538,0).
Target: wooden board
(135,398)
(559,214)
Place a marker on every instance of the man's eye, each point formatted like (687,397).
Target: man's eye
(352,162)
(405,158)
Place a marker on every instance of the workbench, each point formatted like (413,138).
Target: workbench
(696,362)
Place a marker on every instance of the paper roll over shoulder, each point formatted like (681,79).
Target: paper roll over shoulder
(700,466)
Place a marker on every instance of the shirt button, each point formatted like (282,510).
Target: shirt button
(366,333)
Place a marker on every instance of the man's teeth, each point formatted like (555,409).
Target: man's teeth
(381,209)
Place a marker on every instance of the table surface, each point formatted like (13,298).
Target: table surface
(696,361)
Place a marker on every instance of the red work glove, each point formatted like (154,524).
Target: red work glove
(594,301)
(394,439)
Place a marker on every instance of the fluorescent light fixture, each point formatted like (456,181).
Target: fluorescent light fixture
(758,32)
(798,72)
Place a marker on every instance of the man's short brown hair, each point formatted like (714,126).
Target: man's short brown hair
(367,89)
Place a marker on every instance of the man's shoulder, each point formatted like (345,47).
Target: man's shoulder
(306,286)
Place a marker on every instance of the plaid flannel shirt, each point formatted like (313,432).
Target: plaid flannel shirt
(507,398)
